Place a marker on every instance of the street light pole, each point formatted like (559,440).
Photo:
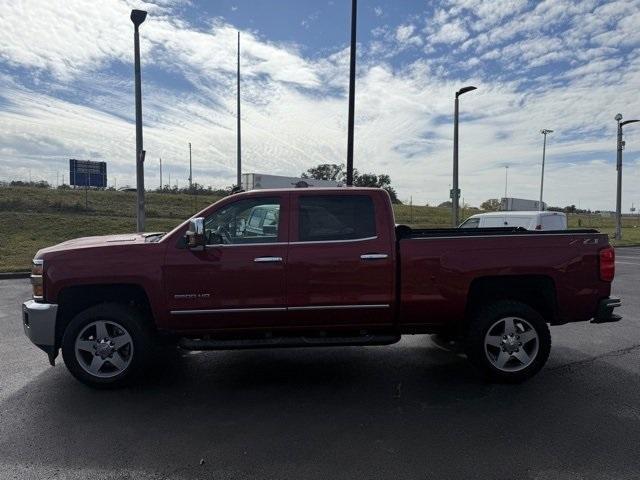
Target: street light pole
(137,17)
(190,170)
(455,191)
(618,118)
(238,139)
(506,179)
(544,132)
(352,92)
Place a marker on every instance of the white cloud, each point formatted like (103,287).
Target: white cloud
(450,33)
(405,35)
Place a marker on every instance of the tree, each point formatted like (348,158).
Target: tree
(326,171)
(337,173)
(446,204)
(491,205)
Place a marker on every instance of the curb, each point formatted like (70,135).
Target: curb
(10,275)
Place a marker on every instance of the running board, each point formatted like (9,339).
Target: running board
(286,342)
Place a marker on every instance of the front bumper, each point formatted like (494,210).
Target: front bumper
(605,311)
(39,321)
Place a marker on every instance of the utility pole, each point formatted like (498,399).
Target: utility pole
(621,144)
(506,179)
(137,17)
(545,132)
(160,173)
(239,146)
(190,171)
(352,92)
(455,191)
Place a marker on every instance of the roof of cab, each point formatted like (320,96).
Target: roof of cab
(312,189)
(515,213)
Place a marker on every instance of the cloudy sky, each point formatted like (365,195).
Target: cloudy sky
(66,90)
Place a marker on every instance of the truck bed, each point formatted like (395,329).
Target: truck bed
(440,270)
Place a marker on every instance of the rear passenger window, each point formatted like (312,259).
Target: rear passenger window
(335,217)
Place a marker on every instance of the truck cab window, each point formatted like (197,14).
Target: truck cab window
(335,217)
(244,222)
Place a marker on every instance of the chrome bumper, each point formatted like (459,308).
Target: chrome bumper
(39,322)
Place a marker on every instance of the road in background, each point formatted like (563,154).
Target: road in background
(408,410)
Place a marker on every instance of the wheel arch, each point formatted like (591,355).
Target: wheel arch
(537,291)
(75,299)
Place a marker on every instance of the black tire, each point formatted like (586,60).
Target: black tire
(119,318)
(486,325)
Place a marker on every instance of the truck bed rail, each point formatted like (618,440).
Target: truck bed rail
(406,232)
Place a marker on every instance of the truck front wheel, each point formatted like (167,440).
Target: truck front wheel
(508,341)
(106,345)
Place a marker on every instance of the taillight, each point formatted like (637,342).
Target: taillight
(607,264)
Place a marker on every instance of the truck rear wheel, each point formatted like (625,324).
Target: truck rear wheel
(508,341)
(106,345)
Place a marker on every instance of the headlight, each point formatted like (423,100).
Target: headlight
(37,283)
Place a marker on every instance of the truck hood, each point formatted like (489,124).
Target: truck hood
(97,241)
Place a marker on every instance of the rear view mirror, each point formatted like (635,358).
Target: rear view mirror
(195,234)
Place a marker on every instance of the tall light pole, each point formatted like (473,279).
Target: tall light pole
(506,179)
(621,143)
(455,191)
(545,132)
(137,17)
(352,92)
(239,146)
(190,170)
(161,174)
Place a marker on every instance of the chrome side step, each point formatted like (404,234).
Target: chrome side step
(286,342)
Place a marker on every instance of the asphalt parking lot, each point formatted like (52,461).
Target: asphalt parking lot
(409,410)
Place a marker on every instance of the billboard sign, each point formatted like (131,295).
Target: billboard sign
(86,173)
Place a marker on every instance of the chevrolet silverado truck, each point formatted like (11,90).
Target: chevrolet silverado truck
(313,267)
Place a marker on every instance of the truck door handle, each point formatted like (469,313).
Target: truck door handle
(374,256)
(267,259)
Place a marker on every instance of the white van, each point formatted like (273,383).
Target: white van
(528,220)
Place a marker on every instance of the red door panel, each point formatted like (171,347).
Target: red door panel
(231,285)
(339,282)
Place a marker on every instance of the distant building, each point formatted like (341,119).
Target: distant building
(510,204)
(258,181)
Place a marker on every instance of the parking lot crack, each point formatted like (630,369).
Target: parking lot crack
(588,361)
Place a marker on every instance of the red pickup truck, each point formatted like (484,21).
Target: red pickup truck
(313,267)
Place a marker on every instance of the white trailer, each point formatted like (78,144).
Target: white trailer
(510,204)
(256,181)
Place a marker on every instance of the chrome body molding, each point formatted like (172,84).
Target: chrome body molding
(351,240)
(337,307)
(278,309)
(266,244)
(228,310)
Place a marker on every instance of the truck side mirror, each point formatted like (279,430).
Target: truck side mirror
(195,234)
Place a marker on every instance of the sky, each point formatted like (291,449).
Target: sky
(66,91)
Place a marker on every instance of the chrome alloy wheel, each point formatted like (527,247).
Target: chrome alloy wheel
(511,344)
(104,349)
